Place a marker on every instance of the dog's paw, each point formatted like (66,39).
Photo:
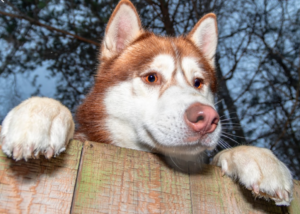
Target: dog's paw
(258,170)
(36,126)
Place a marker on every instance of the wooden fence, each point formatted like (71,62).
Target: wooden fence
(99,178)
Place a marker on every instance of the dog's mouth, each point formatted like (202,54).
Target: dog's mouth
(205,140)
(191,139)
(175,136)
(195,138)
(188,144)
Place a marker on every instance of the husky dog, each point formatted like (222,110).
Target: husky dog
(151,93)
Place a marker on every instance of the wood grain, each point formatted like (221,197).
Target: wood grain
(119,180)
(294,208)
(39,186)
(214,193)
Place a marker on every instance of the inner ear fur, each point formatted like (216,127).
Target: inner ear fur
(123,27)
(205,36)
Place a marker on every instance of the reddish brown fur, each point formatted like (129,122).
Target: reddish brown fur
(129,64)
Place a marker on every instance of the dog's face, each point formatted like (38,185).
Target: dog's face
(152,92)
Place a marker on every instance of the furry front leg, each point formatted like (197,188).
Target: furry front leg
(258,170)
(36,126)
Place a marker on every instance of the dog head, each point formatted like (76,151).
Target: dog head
(152,92)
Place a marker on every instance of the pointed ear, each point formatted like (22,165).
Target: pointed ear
(123,27)
(205,36)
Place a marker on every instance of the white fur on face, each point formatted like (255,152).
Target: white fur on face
(192,68)
(139,118)
(164,64)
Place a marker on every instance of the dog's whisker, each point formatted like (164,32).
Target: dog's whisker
(224,144)
(230,139)
(221,144)
(228,145)
(225,133)
(228,126)
(231,124)
(227,115)
(231,127)
(175,163)
(228,119)
(218,101)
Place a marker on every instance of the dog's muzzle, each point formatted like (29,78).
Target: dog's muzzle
(201,118)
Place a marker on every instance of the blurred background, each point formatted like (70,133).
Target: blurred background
(49,48)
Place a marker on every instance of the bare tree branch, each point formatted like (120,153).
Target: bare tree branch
(32,21)
(292,111)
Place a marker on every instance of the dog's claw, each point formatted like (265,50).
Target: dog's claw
(255,189)
(36,155)
(17,153)
(286,195)
(279,194)
(49,153)
(62,150)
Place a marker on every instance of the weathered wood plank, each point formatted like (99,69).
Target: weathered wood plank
(295,205)
(119,180)
(214,193)
(39,186)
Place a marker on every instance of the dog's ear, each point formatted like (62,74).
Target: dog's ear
(205,36)
(123,27)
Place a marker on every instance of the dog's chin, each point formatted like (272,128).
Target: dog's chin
(192,146)
(206,141)
(186,142)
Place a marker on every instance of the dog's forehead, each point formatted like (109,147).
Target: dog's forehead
(181,57)
(165,64)
(168,66)
(148,47)
(162,54)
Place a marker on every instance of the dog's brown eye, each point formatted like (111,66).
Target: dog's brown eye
(198,83)
(151,79)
